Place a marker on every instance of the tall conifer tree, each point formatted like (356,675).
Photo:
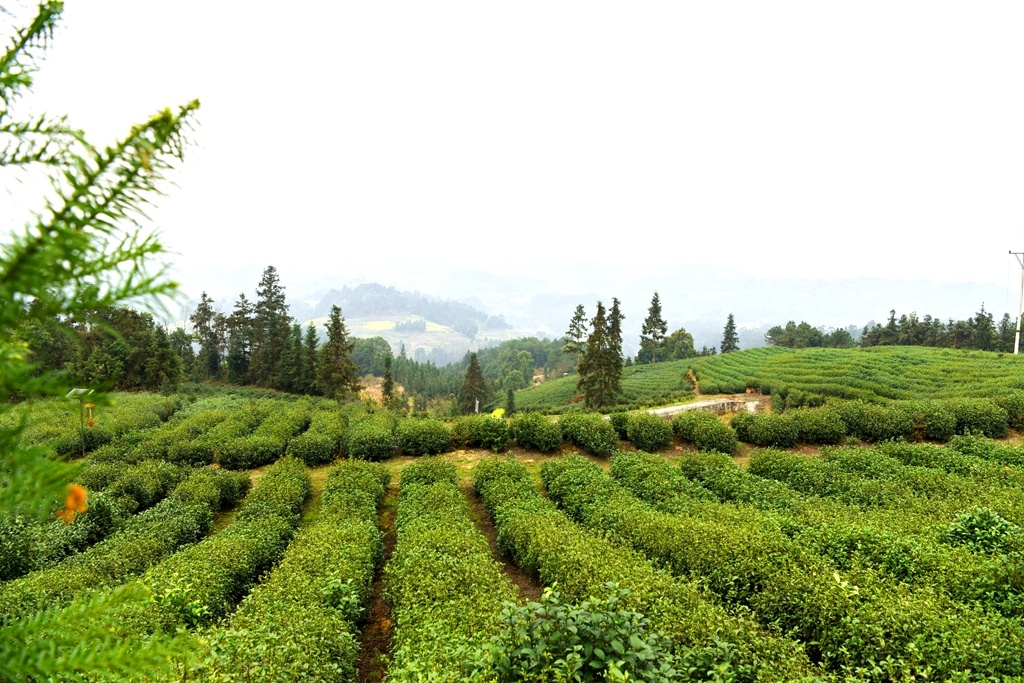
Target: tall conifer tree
(271,330)
(337,376)
(474,387)
(730,340)
(654,329)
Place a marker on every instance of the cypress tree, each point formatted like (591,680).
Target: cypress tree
(387,385)
(574,338)
(239,332)
(599,371)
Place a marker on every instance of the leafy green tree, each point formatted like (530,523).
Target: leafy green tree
(271,328)
(730,340)
(336,375)
(653,331)
(83,252)
(575,338)
(984,337)
(181,343)
(678,345)
(474,387)
(164,369)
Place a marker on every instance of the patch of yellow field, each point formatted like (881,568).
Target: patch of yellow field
(380,325)
(434,327)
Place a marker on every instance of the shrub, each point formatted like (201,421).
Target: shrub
(313,448)
(772,429)
(705,431)
(481,431)
(932,420)
(423,437)
(531,430)
(370,439)
(619,422)
(818,425)
(594,641)
(591,432)
(648,432)
(981,530)
(1013,404)
(873,422)
(979,415)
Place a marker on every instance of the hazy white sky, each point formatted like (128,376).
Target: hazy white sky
(351,139)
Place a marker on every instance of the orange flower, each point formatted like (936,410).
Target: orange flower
(74,504)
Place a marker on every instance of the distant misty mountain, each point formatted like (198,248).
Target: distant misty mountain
(540,299)
(374,300)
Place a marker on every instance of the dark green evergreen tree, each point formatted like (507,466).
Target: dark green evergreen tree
(599,370)
(292,363)
(576,335)
(474,387)
(239,326)
(181,342)
(652,332)
(984,337)
(387,385)
(510,402)
(270,331)
(308,376)
(205,330)
(730,340)
(336,375)
(163,365)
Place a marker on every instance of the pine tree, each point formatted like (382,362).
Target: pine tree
(574,338)
(654,329)
(206,330)
(474,387)
(270,331)
(600,369)
(730,340)
(336,375)
(239,332)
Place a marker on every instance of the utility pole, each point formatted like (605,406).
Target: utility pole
(1016,339)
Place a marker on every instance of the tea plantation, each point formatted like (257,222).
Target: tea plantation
(294,539)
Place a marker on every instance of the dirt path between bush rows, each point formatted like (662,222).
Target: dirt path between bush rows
(528,588)
(375,636)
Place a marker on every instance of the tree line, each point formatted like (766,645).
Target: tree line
(979,332)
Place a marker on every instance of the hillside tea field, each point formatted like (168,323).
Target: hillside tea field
(536,548)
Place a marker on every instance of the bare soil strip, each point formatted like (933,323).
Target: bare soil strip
(527,587)
(375,637)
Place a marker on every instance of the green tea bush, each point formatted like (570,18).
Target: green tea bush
(481,431)
(370,439)
(619,420)
(597,640)
(546,544)
(1013,403)
(532,430)
(314,448)
(873,422)
(589,431)
(982,530)
(18,538)
(648,432)
(429,471)
(423,437)
(445,590)
(931,420)
(777,430)
(979,415)
(818,425)
(299,623)
(705,431)
(652,472)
